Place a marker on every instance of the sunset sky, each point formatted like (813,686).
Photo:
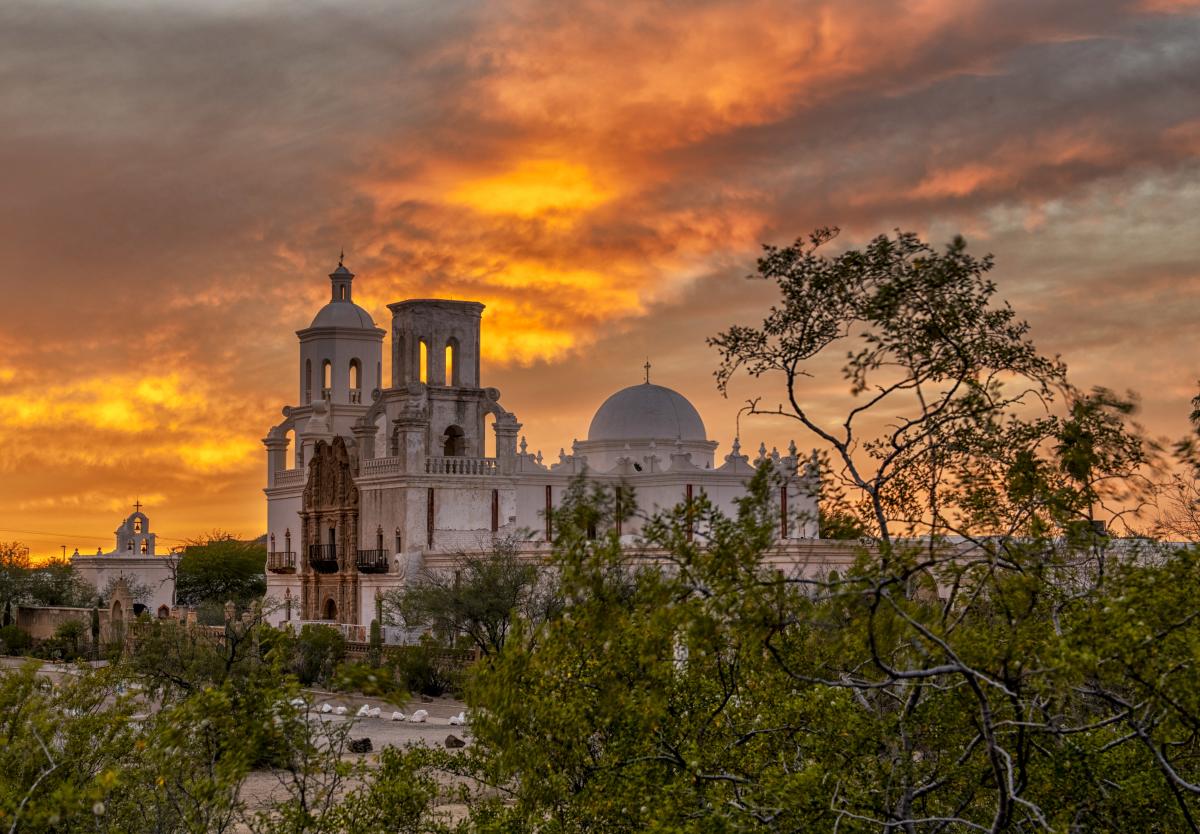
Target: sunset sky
(178,178)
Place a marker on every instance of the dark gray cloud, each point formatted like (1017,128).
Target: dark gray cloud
(179,177)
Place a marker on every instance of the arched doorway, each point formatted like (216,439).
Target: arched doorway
(164,612)
(454,442)
(116,614)
(330,609)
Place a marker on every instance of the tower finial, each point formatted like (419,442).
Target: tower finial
(647,367)
(342,256)
(137,505)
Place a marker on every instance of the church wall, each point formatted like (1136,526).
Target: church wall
(278,585)
(531,504)
(283,514)
(655,493)
(154,571)
(380,507)
(459,411)
(459,509)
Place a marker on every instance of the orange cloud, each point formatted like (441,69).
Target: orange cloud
(1169,6)
(591,171)
(534,188)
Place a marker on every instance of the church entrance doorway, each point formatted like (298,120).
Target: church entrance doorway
(330,610)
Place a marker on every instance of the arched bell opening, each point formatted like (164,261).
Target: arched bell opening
(454,442)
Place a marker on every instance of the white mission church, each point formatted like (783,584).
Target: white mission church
(368,485)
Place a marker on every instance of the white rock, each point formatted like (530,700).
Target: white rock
(326,708)
(419,716)
(458,720)
(297,702)
(398,716)
(340,711)
(374,712)
(363,711)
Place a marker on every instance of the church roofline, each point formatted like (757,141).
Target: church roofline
(470,306)
(372,333)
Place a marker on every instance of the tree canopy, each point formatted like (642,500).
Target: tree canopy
(480,596)
(220,568)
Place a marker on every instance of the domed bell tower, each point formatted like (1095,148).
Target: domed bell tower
(341,352)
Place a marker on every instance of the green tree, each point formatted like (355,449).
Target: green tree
(479,597)
(315,653)
(55,583)
(15,569)
(221,568)
(1031,674)
(928,357)
(375,654)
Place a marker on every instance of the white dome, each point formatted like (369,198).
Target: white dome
(343,314)
(647,412)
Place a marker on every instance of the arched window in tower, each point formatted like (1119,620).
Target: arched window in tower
(327,379)
(355,381)
(424,360)
(454,442)
(145,546)
(452,362)
(307,380)
(137,525)
(289,460)
(343,292)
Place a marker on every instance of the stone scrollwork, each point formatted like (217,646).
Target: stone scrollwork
(330,478)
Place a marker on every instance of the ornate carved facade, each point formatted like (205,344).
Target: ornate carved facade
(329,518)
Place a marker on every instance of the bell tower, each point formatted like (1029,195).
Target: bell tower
(341,352)
(436,342)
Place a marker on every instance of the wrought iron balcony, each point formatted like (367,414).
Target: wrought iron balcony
(372,561)
(323,558)
(283,561)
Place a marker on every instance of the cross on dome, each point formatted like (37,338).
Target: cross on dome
(647,367)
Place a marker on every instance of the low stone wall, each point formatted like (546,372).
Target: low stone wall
(449,658)
(40,622)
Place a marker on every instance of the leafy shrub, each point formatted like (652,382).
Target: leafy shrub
(67,644)
(318,651)
(424,669)
(367,680)
(13,640)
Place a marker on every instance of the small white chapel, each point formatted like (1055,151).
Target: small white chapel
(134,558)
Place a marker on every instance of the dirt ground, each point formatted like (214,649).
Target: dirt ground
(261,787)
